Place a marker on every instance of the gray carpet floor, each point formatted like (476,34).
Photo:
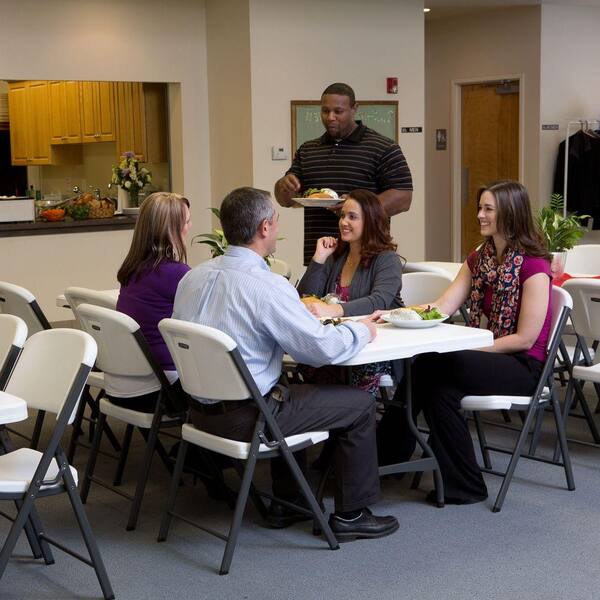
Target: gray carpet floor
(542,545)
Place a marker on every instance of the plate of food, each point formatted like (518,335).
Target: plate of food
(415,317)
(320,198)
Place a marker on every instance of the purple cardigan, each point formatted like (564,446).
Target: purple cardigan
(148,298)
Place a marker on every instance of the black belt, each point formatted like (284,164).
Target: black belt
(220,408)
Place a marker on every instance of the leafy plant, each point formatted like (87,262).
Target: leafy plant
(216,240)
(561,233)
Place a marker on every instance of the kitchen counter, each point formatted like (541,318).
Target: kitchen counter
(48,228)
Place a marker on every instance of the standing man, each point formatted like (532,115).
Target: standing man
(237,294)
(347,156)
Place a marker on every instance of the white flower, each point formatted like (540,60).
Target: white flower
(127,185)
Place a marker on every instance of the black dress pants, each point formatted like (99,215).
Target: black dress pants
(347,413)
(440,381)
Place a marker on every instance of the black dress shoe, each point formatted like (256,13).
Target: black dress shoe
(366,526)
(280,516)
(432,499)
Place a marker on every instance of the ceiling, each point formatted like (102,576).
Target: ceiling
(453,8)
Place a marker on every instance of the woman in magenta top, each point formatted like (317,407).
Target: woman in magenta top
(506,280)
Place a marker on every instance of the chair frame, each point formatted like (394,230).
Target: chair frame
(534,412)
(150,436)
(27,516)
(278,447)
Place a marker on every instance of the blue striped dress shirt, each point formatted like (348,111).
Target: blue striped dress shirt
(237,294)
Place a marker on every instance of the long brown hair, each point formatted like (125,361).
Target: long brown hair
(515,221)
(157,234)
(376,236)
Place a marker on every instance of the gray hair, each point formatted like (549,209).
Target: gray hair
(242,212)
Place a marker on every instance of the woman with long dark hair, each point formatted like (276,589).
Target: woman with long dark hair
(360,267)
(149,276)
(508,281)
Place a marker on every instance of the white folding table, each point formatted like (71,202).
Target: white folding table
(394,343)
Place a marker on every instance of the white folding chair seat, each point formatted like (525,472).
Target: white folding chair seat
(280,267)
(49,376)
(13,333)
(211,366)
(96,379)
(17,469)
(481,403)
(587,373)
(131,417)
(545,395)
(12,409)
(583,259)
(240,450)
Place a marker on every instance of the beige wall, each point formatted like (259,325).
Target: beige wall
(106,40)
(297,49)
(488,44)
(228,52)
(570,80)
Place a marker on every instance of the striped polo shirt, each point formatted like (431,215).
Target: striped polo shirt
(364,159)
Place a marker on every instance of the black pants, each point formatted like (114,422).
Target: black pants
(349,415)
(440,381)
(147,402)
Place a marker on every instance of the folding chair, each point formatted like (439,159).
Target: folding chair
(583,259)
(532,406)
(211,367)
(18,301)
(280,267)
(74,297)
(123,351)
(586,322)
(61,360)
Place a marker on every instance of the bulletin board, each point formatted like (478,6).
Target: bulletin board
(380,115)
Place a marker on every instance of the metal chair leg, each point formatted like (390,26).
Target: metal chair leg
(91,464)
(562,438)
(537,430)
(123,455)
(175,479)
(37,429)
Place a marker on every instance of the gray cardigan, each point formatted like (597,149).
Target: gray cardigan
(376,287)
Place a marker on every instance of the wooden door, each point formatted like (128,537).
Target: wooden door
(88,111)
(56,95)
(131,120)
(17,111)
(490,147)
(38,106)
(72,112)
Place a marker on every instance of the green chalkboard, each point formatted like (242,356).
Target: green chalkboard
(380,115)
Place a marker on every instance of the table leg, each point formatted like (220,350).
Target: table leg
(428,461)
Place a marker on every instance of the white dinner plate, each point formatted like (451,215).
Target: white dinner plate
(317,202)
(406,324)
(131,210)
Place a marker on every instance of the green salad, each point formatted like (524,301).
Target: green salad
(429,313)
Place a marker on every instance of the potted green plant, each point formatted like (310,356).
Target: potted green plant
(216,240)
(560,232)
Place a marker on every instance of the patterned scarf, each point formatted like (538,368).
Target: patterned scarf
(504,280)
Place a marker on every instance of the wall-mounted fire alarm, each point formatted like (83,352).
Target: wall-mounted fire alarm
(392,85)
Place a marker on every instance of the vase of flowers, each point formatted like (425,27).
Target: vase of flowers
(130,177)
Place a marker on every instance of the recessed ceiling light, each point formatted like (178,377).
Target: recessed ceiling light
(426,9)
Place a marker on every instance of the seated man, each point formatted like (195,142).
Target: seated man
(237,294)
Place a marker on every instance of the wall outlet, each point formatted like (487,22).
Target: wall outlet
(279,153)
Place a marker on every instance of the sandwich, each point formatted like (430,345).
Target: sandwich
(325,193)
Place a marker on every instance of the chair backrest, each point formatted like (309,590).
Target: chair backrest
(280,267)
(583,259)
(204,360)
(561,301)
(80,295)
(418,267)
(118,337)
(586,306)
(425,286)
(18,301)
(13,333)
(53,365)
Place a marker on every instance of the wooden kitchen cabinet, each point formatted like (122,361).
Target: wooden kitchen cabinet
(142,120)
(97,104)
(29,116)
(65,112)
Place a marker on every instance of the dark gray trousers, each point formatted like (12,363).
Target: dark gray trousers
(347,413)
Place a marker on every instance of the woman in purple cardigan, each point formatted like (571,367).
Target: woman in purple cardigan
(149,276)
